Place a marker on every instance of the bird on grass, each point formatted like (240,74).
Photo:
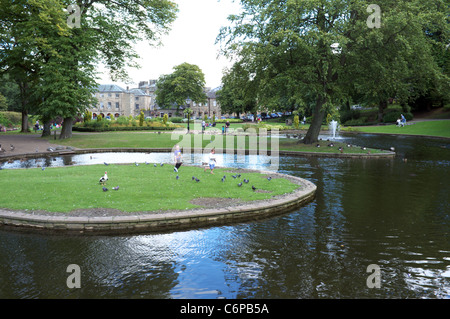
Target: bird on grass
(105,163)
(240,184)
(1,149)
(239,175)
(116,188)
(135,163)
(223,179)
(197,180)
(193,177)
(43,168)
(269,178)
(103,179)
(234,176)
(162,164)
(105,189)
(178,177)
(254,188)
(154,165)
(246,181)
(318,145)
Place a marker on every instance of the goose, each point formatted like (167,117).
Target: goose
(103,179)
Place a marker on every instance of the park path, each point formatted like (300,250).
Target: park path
(24,144)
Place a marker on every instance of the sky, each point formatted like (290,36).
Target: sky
(191,39)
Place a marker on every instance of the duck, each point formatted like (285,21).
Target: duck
(103,179)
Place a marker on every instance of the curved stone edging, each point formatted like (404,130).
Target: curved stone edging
(166,221)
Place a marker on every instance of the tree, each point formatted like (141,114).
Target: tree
(187,81)
(395,60)
(312,52)
(35,41)
(238,93)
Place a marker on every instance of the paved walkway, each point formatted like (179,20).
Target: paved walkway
(24,144)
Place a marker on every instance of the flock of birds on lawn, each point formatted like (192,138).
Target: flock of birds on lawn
(104,178)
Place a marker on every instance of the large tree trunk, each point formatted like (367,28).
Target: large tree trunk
(312,136)
(381,107)
(66,130)
(47,128)
(25,128)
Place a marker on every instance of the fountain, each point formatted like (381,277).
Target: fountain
(333,128)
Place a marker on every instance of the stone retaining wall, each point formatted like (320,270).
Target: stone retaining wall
(166,221)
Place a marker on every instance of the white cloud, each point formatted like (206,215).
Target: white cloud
(191,39)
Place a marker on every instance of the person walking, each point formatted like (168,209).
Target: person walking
(212,161)
(177,158)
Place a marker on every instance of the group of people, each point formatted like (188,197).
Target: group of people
(178,160)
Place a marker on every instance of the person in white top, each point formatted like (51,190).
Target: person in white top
(212,161)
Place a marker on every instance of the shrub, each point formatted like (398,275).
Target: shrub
(122,120)
(296,121)
(176,119)
(391,117)
(141,118)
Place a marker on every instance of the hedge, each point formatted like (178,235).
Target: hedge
(125,128)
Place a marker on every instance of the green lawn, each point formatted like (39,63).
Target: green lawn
(141,188)
(428,128)
(166,140)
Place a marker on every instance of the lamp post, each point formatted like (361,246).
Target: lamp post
(188,111)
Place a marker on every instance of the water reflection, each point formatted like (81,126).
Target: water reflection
(386,211)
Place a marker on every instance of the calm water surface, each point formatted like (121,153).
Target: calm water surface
(387,212)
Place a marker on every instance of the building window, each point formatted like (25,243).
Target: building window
(161,114)
(214,103)
(117,105)
(170,114)
(109,105)
(109,94)
(136,106)
(117,95)
(137,98)
(101,105)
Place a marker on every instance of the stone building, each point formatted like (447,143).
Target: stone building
(115,101)
(210,108)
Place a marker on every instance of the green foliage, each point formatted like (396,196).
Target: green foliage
(165,119)
(296,121)
(3,103)
(187,81)
(287,47)
(141,118)
(123,120)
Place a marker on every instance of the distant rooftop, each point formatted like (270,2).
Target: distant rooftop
(110,88)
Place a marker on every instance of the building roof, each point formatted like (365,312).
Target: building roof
(212,93)
(113,88)
(138,92)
